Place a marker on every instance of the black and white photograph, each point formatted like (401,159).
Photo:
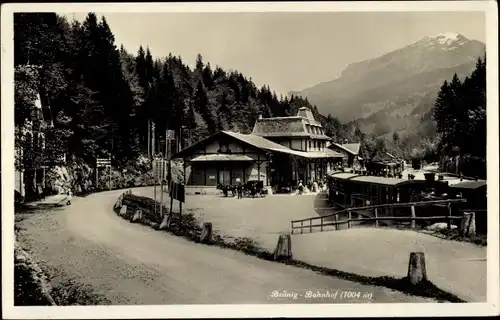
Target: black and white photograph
(250,159)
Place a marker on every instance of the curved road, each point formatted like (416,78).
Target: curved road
(133,264)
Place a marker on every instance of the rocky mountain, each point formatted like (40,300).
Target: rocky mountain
(394,91)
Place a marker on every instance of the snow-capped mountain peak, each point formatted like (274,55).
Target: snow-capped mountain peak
(453,36)
(447,40)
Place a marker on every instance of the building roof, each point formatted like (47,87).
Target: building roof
(294,126)
(352,148)
(261,143)
(373,179)
(221,157)
(327,153)
(469,184)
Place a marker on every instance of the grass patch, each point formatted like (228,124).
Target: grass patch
(478,239)
(72,293)
(190,228)
(425,289)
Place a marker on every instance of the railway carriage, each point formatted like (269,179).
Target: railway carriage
(353,190)
(349,190)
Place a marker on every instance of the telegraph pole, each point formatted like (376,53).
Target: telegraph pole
(149,138)
(153,153)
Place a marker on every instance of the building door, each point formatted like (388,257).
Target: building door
(225,176)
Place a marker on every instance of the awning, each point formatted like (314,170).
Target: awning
(221,157)
(322,154)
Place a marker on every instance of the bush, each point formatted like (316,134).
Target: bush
(71,293)
(27,291)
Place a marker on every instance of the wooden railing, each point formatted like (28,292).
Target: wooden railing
(310,223)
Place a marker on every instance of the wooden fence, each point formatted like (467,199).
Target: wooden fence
(314,222)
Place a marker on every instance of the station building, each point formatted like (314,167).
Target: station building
(280,151)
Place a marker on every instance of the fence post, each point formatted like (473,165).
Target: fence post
(310,225)
(336,221)
(349,218)
(413,215)
(376,217)
(301,227)
(468,225)
(449,216)
(321,224)
(292,227)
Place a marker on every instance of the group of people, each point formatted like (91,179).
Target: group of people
(313,186)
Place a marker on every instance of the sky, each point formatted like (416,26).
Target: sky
(289,51)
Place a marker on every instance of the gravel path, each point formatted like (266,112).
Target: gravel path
(133,264)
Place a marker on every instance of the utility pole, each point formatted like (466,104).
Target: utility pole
(167,140)
(153,153)
(149,138)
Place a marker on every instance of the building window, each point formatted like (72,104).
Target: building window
(314,144)
(310,145)
(224,148)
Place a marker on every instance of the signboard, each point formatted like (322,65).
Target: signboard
(103,162)
(159,169)
(177,191)
(211,177)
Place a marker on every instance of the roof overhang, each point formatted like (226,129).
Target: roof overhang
(221,157)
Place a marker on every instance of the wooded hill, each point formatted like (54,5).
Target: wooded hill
(101,96)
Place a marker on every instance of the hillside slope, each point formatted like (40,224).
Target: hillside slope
(390,92)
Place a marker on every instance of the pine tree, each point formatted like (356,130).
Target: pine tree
(201,105)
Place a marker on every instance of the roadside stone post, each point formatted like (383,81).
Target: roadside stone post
(123,210)
(164,223)
(417,272)
(283,248)
(137,216)
(468,225)
(206,234)
(117,204)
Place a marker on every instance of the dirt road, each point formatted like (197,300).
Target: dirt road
(133,264)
